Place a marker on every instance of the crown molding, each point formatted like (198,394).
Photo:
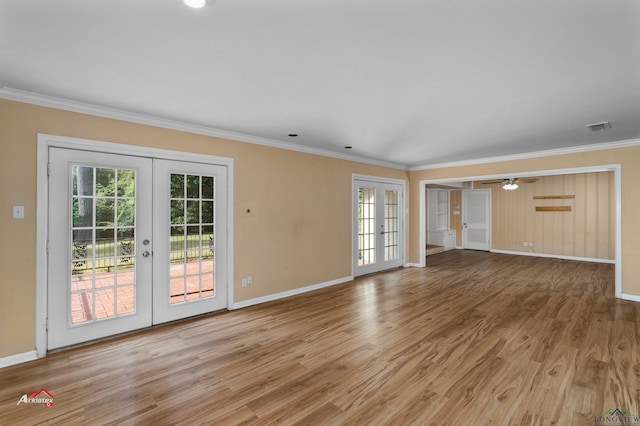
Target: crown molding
(117,114)
(533,154)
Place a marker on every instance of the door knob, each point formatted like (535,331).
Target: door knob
(146,254)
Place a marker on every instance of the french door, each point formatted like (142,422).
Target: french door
(476,219)
(189,227)
(132,242)
(378,226)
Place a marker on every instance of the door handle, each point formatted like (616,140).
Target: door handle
(146,254)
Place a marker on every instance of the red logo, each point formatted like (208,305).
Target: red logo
(40,397)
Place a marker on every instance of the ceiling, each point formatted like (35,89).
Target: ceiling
(411,82)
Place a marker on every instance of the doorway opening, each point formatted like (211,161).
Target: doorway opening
(616,211)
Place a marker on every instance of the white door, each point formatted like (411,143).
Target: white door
(132,242)
(189,239)
(100,269)
(476,219)
(378,236)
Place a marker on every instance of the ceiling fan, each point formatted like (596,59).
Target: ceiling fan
(510,183)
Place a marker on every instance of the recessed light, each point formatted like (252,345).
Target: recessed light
(348,147)
(293,135)
(196,4)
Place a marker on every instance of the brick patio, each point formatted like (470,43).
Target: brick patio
(111,299)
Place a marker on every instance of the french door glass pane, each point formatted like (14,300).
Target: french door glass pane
(366,226)
(391,220)
(102,243)
(192,229)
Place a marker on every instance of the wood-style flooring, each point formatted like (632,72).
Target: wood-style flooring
(474,338)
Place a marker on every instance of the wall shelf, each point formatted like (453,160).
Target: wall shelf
(553,197)
(553,208)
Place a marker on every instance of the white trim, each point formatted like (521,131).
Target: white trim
(631,297)
(554,256)
(515,174)
(617,174)
(18,358)
(533,154)
(377,179)
(44,142)
(132,150)
(42,232)
(117,114)
(412,265)
(617,190)
(289,293)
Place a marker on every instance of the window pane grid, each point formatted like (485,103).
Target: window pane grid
(391,220)
(191,239)
(366,226)
(102,239)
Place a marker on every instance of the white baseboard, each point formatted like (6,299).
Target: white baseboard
(412,265)
(554,256)
(632,297)
(288,293)
(18,358)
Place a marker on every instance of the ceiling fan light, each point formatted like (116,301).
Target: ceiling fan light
(509,185)
(196,4)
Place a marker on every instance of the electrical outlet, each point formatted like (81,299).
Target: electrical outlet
(525,244)
(249,280)
(244,282)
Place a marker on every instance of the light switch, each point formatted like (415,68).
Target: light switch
(18,212)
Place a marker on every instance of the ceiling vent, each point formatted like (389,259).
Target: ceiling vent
(598,127)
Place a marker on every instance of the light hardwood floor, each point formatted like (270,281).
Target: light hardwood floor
(474,338)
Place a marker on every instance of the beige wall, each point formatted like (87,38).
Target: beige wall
(585,231)
(298,234)
(627,157)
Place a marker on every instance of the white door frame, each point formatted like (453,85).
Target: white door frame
(45,141)
(615,168)
(403,212)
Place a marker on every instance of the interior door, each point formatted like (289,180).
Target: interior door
(100,265)
(378,238)
(476,219)
(189,234)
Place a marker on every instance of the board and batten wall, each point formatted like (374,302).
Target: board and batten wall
(587,231)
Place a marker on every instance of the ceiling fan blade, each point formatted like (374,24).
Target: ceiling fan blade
(491,182)
(527,180)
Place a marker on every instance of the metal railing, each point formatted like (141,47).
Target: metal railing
(102,255)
